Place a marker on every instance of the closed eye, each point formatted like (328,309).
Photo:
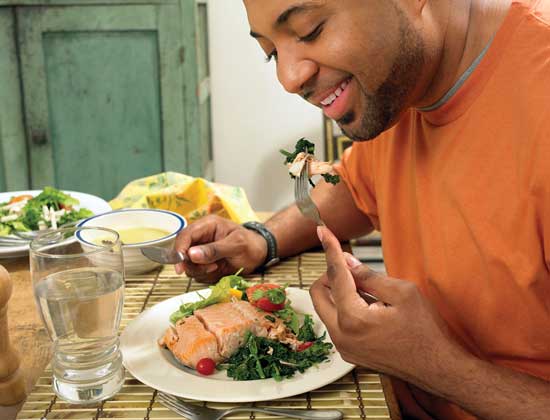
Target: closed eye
(312,36)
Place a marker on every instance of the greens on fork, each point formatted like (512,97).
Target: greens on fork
(304,151)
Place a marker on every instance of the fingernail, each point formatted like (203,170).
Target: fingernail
(351,260)
(212,268)
(196,254)
(320,233)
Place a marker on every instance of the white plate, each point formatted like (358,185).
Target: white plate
(87,201)
(157,368)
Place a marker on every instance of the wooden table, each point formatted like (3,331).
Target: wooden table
(30,338)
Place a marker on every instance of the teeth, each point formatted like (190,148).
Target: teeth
(332,97)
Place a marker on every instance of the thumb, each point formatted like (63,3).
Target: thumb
(373,282)
(214,251)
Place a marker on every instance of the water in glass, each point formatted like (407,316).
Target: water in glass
(81,308)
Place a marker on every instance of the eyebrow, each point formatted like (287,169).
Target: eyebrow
(288,13)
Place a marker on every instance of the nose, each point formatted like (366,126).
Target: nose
(294,72)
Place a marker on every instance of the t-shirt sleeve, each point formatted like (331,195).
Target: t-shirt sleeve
(356,170)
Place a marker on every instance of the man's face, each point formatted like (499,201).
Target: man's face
(358,60)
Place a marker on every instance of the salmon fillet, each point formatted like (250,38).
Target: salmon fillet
(218,331)
(189,342)
(227,324)
(260,324)
(263,327)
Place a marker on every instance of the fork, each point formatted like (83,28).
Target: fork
(308,208)
(196,412)
(303,200)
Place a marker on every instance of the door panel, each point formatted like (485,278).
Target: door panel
(97,82)
(104,108)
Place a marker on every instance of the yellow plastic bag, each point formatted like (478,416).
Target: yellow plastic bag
(191,197)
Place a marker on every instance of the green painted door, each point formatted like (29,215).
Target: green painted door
(14,174)
(197,83)
(103,92)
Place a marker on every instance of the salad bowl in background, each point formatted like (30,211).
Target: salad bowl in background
(86,201)
(131,219)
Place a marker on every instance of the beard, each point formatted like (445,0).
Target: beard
(383,107)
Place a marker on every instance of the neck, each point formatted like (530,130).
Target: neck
(467,27)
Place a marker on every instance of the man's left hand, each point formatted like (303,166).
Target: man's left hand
(404,336)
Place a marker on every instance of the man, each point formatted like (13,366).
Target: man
(455,95)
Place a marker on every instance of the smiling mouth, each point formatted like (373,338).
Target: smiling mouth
(334,95)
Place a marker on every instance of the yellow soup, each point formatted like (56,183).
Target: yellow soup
(139,234)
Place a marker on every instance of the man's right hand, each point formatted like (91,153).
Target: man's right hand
(216,247)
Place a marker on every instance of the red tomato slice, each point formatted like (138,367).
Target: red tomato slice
(265,286)
(266,305)
(304,346)
(206,366)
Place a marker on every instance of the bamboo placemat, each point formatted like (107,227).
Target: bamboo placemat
(361,394)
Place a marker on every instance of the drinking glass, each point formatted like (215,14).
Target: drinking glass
(78,282)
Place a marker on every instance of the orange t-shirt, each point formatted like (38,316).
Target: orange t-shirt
(461,195)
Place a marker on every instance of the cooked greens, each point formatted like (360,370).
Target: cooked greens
(290,318)
(302,145)
(261,358)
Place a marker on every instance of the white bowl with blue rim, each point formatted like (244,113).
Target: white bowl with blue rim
(134,261)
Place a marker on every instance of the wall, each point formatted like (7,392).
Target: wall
(252,115)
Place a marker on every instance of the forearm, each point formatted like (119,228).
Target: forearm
(490,391)
(295,233)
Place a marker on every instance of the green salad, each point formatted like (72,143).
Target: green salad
(50,208)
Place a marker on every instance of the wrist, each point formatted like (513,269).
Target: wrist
(259,248)
(268,247)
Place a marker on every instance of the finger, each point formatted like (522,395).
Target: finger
(229,246)
(324,305)
(200,232)
(198,270)
(386,289)
(341,281)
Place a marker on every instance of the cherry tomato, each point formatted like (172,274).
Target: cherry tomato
(304,345)
(206,366)
(266,305)
(20,198)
